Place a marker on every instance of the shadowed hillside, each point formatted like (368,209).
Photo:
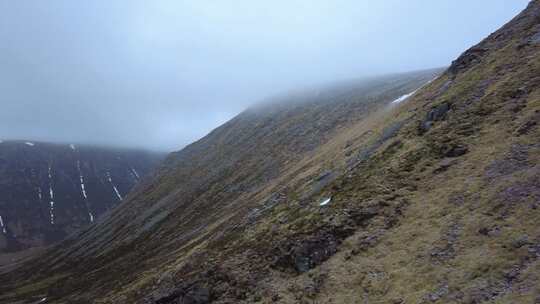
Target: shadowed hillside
(48,191)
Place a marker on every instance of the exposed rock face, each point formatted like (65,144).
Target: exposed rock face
(47,191)
(436,114)
(467,59)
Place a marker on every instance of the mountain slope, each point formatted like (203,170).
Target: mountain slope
(214,183)
(431,200)
(47,191)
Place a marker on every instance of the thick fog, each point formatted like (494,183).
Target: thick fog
(159,74)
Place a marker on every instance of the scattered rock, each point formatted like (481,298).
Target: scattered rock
(520,242)
(303,254)
(309,253)
(320,182)
(535,38)
(457,199)
(436,114)
(313,287)
(191,295)
(445,249)
(517,93)
(483,231)
(436,295)
(490,231)
(323,175)
(444,165)
(528,126)
(365,153)
(273,200)
(367,242)
(467,59)
(456,151)
(515,160)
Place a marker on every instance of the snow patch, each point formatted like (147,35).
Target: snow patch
(325,201)
(72,146)
(404,97)
(91,217)
(2,225)
(42,300)
(40,196)
(31,144)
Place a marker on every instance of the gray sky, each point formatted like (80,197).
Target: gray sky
(162,73)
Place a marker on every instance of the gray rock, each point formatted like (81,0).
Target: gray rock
(436,114)
(456,151)
(535,38)
(467,60)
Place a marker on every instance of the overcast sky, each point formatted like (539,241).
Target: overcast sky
(162,73)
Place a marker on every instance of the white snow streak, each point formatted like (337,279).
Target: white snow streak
(114,187)
(83,190)
(325,201)
(31,144)
(404,97)
(81,178)
(2,224)
(135,173)
(42,300)
(72,146)
(117,193)
(51,211)
(40,196)
(51,194)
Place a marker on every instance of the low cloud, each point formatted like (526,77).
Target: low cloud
(160,74)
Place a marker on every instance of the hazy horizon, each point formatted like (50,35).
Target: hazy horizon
(161,74)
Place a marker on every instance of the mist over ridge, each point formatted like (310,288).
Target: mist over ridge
(161,74)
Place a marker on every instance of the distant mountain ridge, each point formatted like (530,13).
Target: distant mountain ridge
(47,191)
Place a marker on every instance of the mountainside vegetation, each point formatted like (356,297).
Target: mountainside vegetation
(341,196)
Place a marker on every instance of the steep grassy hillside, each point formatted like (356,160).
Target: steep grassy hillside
(349,199)
(211,186)
(47,191)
